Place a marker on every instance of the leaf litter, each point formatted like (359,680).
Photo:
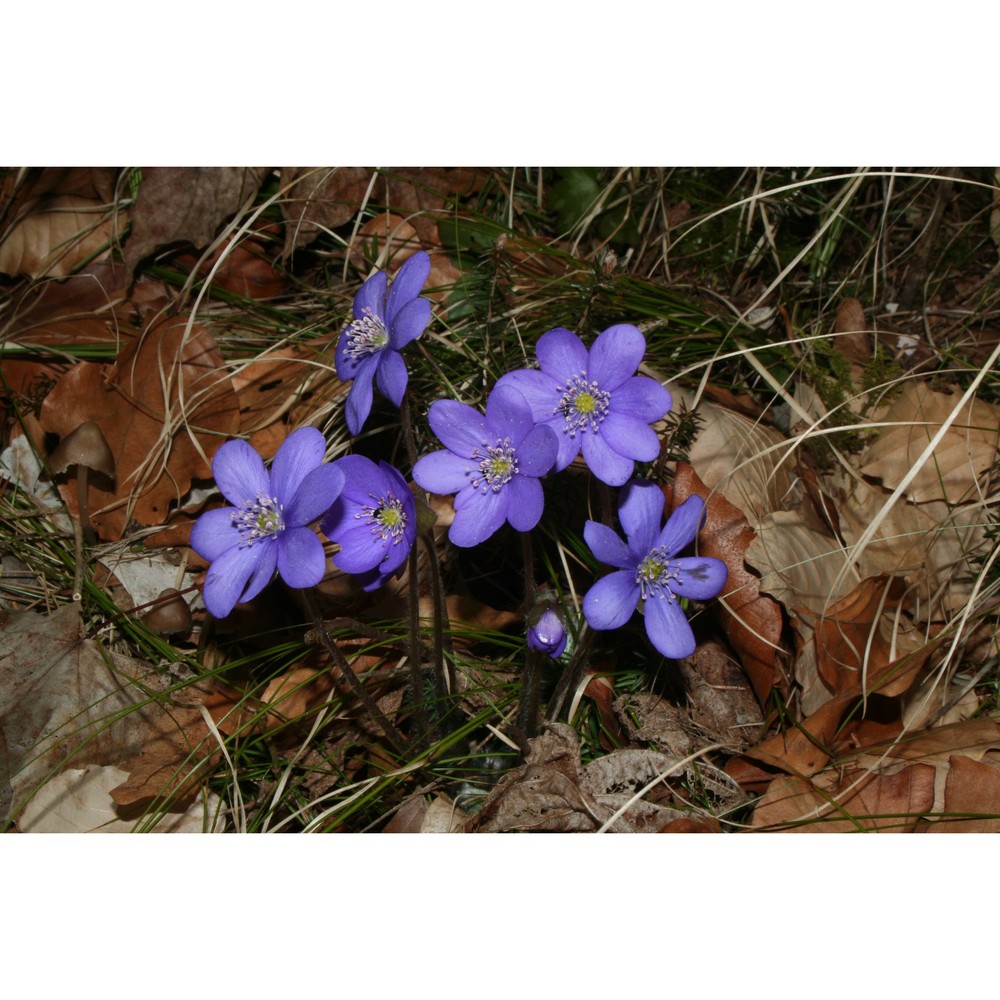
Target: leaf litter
(823,696)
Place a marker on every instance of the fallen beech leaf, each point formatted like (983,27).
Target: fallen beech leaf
(268,385)
(803,749)
(971,787)
(847,801)
(64,697)
(295,694)
(971,739)
(751,620)
(851,336)
(601,691)
(396,235)
(651,719)
(543,794)
(58,234)
(443,816)
(967,450)
(186,205)
(859,641)
(798,566)
(318,198)
(740,457)
(418,816)
(696,824)
(164,409)
(935,546)
(79,801)
(721,699)
(246,270)
(177,757)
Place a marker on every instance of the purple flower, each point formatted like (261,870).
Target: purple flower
(374,521)
(383,325)
(492,464)
(269,526)
(548,634)
(648,568)
(594,400)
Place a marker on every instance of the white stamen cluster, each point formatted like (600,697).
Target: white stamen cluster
(258,518)
(366,336)
(583,404)
(654,574)
(497,465)
(386,517)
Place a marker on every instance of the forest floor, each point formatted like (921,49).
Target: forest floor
(829,339)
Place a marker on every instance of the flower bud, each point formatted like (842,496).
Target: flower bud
(548,634)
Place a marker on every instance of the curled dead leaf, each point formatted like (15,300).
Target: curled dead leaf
(164,409)
(752,621)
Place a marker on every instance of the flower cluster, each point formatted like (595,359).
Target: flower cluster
(535,422)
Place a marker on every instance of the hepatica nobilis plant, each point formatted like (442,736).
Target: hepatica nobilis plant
(535,423)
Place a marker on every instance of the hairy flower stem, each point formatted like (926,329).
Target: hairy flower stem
(571,675)
(396,739)
(406,426)
(415,658)
(604,493)
(527,712)
(445,683)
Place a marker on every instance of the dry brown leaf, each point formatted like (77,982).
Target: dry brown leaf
(934,546)
(177,757)
(967,450)
(971,787)
(60,694)
(862,645)
(79,801)
(441,815)
(751,620)
(324,197)
(294,694)
(246,270)
(186,205)
(798,566)
(721,699)
(970,739)
(803,749)
(58,234)
(600,690)
(397,240)
(164,409)
(740,457)
(651,719)
(848,801)
(318,198)
(852,337)
(269,385)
